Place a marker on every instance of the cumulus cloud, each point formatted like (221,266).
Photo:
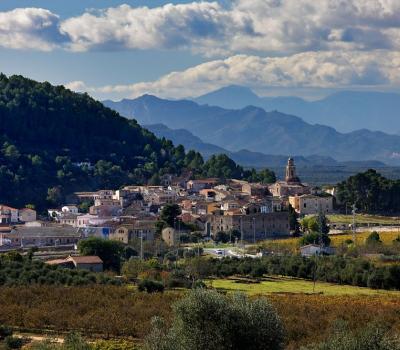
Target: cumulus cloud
(29,28)
(310,69)
(268,27)
(195,25)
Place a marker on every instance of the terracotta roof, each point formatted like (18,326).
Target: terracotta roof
(6,207)
(90,259)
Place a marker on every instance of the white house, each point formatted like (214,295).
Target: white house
(315,249)
(70,209)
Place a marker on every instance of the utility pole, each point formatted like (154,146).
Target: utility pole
(141,244)
(241,233)
(254,230)
(353,211)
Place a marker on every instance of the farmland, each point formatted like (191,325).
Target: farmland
(287,285)
(115,312)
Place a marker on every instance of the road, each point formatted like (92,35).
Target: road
(225,252)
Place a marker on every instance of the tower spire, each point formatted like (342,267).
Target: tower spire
(290,176)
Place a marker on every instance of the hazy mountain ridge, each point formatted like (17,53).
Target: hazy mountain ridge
(345,111)
(256,130)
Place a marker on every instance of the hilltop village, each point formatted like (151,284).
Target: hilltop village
(206,209)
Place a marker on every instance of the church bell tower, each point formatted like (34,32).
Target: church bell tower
(290,176)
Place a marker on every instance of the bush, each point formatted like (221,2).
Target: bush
(150,286)
(14,342)
(5,332)
(206,320)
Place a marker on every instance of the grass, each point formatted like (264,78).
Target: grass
(277,284)
(386,237)
(293,244)
(364,219)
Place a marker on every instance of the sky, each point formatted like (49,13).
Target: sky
(123,49)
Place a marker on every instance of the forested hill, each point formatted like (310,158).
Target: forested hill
(46,131)
(54,142)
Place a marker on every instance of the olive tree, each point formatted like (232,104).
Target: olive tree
(206,320)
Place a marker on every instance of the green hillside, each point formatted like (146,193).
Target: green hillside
(54,142)
(46,131)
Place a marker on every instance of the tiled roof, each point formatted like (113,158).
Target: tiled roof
(90,259)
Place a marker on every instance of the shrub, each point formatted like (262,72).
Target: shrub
(13,342)
(5,332)
(206,320)
(150,286)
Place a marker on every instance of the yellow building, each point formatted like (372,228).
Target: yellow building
(307,204)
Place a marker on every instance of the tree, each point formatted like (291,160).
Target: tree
(132,268)
(293,220)
(373,239)
(309,224)
(207,320)
(234,235)
(169,213)
(221,237)
(322,223)
(109,251)
(54,195)
(315,238)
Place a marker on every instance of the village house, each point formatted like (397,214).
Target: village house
(127,232)
(8,215)
(255,189)
(307,204)
(170,236)
(40,236)
(70,209)
(91,263)
(27,215)
(315,249)
(198,185)
(253,225)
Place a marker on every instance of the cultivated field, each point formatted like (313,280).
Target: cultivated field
(282,285)
(292,244)
(109,312)
(364,219)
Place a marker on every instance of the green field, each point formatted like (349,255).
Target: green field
(364,219)
(277,284)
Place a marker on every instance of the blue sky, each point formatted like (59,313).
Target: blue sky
(116,49)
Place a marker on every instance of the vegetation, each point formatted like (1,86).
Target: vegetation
(206,320)
(374,336)
(109,251)
(54,142)
(288,285)
(17,270)
(333,269)
(110,311)
(370,192)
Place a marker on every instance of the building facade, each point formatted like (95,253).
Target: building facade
(253,226)
(311,204)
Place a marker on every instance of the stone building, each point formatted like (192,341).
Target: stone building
(170,236)
(292,185)
(136,230)
(312,204)
(253,225)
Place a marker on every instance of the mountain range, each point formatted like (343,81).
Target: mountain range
(248,158)
(345,111)
(253,129)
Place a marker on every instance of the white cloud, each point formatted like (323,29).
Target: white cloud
(310,69)
(267,26)
(195,25)
(29,28)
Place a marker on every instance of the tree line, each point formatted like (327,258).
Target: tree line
(370,192)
